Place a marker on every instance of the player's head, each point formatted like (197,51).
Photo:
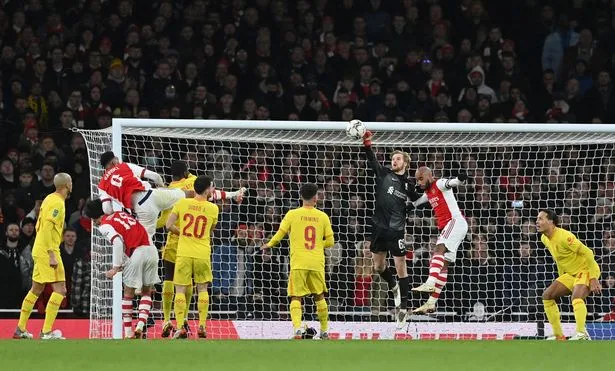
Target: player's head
(203,185)
(424,177)
(309,193)
(400,161)
(179,170)
(546,220)
(108,159)
(63,183)
(94,210)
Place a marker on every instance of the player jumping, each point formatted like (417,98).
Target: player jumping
(48,267)
(453,229)
(197,218)
(389,222)
(122,183)
(140,270)
(577,270)
(182,179)
(310,233)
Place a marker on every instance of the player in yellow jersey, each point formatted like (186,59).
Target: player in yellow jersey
(48,267)
(197,218)
(577,270)
(182,179)
(310,233)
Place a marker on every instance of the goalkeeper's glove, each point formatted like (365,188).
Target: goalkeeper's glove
(367,139)
(462,176)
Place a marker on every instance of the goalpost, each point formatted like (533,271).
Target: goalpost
(494,286)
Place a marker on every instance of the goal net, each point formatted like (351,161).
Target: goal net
(495,286)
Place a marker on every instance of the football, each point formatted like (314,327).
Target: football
(355,129)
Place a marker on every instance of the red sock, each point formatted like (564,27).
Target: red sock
(127,315)
(218,195)
(145,305)
(435,267)
(440,283)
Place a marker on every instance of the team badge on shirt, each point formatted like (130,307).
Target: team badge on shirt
(55,212)
(570,239)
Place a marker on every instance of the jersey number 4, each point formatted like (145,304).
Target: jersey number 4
(196,226)
(310,237)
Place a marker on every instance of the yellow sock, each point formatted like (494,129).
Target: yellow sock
(51,311)
(180,309)
(26,309)
(552,312)
(189,290)
(322,310)
(580,313)
(203,307)
(295,314)
(168,290)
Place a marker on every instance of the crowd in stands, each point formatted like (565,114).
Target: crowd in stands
(67,65)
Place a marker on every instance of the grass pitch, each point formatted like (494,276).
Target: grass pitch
(336,355)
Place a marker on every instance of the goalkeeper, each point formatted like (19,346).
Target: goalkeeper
(182,179)
(577,270)
(389,222)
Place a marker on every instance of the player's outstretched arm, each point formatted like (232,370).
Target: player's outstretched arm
(279,235)
(170,225)
(444,184)
(372,161)
(141,172)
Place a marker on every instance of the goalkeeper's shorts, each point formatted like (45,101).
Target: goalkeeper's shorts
(303,282)
(570,281)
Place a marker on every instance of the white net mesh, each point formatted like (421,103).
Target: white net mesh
(501,269)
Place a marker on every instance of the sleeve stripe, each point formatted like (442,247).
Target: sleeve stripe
(447,185)
(143,173)
(106,200)
(113,238)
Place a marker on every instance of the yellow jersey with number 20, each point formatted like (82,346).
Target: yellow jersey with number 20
(196,220)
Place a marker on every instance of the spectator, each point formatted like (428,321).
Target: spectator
(557,43)
(13,268)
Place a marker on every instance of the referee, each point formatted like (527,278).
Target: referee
(389,222)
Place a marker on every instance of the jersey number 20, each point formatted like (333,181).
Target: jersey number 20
(198,226)
(310,237)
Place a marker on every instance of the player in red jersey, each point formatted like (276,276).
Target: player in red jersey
(453,229)
(122,182)
(135,255)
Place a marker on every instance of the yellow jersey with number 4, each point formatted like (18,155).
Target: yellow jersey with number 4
(49,226)
(570,254)
(310,232)
(196,220)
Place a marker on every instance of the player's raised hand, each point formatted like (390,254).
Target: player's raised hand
(594,286)
(367,138)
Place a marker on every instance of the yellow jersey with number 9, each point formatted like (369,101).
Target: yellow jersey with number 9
(310,233)
(49,226)
(196,219)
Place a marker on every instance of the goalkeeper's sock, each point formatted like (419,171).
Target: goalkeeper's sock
(203,307)
(552,312)
(580,313)
(435,268)
(387,276)
(322,311)
(145,305)
(295,314)
(404,290)
(189,291)
(51,311)
(180,309)
(168,289)
(440,283)
(26,309)
(127,316)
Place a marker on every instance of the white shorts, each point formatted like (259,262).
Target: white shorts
(141,269)
(148,205)
(452,236)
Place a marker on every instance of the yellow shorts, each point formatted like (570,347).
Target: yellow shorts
(302,282)
(44,273)
(169,253)
(186,268)
(570,281)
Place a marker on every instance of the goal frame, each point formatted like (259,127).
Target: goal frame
(119,124)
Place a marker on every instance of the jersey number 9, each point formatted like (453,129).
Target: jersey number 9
(310,237)
(198,226)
